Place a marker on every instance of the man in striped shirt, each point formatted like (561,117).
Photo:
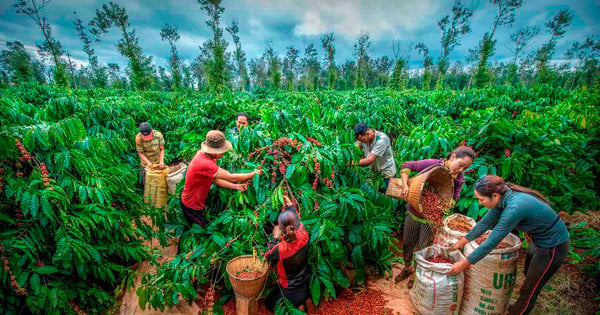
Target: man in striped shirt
(150,146)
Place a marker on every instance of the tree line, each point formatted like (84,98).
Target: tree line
(217,69)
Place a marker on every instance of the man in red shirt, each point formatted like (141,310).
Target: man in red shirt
(203,172)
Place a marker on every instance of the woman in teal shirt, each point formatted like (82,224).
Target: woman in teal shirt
(513,206)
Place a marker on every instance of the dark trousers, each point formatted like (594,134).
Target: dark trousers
(415,234)
(192,217)
(143,176)
(297,297)
(540,266)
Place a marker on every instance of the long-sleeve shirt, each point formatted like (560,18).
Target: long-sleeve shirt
(419,166)
(291,258)
(524,212)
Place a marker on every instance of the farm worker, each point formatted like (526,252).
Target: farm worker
(203,172)
(417,230)
(513,206)
(288,251)
(377,149)
(150,146)
(241,121)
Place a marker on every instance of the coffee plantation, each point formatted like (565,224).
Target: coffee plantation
(71,205)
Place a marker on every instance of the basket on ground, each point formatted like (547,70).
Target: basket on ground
(438,177)
(247,288)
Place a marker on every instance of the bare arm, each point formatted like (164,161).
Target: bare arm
(162,155)
(404,177)
(144,158)
(229,185)
(368,160)
(235,177)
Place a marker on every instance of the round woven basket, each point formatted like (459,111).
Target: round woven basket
(438,177)
(248,288)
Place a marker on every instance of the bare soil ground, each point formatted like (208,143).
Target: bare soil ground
(570,291)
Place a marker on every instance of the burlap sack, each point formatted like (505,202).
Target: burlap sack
(489,282)
(155,190)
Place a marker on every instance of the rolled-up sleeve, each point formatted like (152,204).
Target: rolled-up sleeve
(417,166)
(458,186)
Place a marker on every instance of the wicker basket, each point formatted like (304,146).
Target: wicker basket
(438,177)
(155,190)
(247,288)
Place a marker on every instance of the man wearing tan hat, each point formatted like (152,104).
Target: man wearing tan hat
(150,146)
(203,171)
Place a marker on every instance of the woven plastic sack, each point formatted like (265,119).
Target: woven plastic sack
(174,176)
(448,237)
(435,291)
(155,191)
(489,283)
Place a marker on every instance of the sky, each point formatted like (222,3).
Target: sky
(299,23)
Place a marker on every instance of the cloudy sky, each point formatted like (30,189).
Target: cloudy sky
(298,23)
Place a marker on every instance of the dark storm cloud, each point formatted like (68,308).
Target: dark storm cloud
(298,23)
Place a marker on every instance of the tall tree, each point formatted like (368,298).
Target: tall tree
(274,71)
(239,55)
(587,55)
(290,67)
(399,76)
(140,66)
(382,66)
(51,46)
(98,73)
(187,81)
(216,66)
(505,15)
(71,70)
(114,76)
(520,40)
(311,68)
(258,72)
(328,42)
(169,33)
(17,64)
(452,27)
(198,69)
(427,62)
(557,27)
(165,82)
(348,76)
(361,51)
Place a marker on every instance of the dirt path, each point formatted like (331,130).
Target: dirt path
(130,305)
(397,295)
(570,291)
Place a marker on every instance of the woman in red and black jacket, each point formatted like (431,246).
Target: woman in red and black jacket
(288,253)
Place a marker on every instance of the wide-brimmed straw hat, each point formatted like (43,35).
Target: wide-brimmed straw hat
(215,143)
